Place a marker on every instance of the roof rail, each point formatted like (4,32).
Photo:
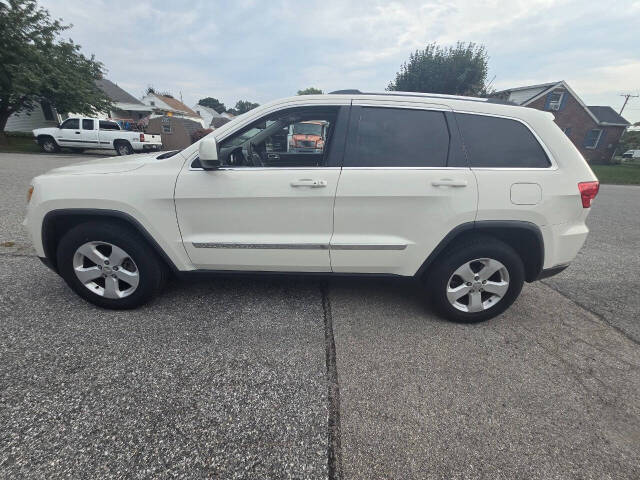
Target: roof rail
(418,94)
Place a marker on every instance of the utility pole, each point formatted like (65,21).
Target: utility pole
(626,96)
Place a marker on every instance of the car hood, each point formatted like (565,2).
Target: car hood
(106,165)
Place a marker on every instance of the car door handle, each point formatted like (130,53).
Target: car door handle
(448,182)
(308,182)
(77,133)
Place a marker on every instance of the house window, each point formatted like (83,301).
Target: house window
(555,100)
(592,138)
(166,128)
(46,110)
(153,104)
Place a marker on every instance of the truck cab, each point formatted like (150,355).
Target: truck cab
(80,133)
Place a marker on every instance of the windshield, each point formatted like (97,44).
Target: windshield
(307,129)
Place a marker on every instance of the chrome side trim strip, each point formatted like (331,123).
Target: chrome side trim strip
(295,246)
(265,246)
(367,247)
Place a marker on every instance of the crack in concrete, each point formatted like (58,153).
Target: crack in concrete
(334,453)
(596,314)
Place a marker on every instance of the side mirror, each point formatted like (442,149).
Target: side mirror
(208,153)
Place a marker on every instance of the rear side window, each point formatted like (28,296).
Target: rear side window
(106,125)
(500,142)
(87,124)
(394,137)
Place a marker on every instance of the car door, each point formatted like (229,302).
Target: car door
(255,213)
(405,184)
(89,133)
(69,134)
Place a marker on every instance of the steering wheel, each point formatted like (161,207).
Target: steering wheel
(253,157)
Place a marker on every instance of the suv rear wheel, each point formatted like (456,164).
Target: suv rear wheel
(109,265)
(476,280)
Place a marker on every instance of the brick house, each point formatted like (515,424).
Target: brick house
(594,130)
(176,132)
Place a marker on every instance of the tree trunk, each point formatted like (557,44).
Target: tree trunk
(4,116)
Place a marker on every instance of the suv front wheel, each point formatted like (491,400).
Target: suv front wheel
(476,280)
(109,265)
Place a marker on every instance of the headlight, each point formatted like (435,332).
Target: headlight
(29,193)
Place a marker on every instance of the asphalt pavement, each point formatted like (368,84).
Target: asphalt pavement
(239,377)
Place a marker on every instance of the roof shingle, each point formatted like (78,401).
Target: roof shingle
(607,115)
(115,93)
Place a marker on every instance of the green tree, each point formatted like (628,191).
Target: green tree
(243,106)
(310,91)
(214,103)
(456,70)
(36,65)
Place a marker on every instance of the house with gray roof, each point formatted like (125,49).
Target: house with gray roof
(594,130)
(126,107)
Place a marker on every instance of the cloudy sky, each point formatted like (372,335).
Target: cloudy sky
(262,50)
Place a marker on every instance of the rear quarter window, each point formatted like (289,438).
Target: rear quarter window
(500,143)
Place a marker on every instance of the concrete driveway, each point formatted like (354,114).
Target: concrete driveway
(272,378)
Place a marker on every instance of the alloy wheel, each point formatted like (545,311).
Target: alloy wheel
(478,285)
(106,270)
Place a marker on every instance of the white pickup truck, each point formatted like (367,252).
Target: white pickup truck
(80,133)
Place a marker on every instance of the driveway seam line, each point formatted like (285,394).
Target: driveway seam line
(596,314)
(334,444)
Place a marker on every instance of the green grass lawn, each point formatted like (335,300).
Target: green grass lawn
(625,174)
(20,143)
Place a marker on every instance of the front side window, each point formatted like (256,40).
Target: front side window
(394,137)
(71,124)
(297,137)
(593,138)
(500,143)
(87,124)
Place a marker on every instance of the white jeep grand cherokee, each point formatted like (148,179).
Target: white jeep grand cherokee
(469,196)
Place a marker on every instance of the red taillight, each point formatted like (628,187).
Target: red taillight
(588,191)
(142,137)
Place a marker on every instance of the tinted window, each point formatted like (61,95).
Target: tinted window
(87,124)
(500,142)
(106,125)
(393,137)
(71,124)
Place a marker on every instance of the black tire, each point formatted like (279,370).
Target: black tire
(478,247)
(123,147)
(151,270)
(48,145)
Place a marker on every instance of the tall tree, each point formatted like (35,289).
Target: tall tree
(457,70)
(214,103)
(243,106)
(36,65)
(310,91)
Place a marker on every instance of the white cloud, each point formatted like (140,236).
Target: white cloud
(260,51)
